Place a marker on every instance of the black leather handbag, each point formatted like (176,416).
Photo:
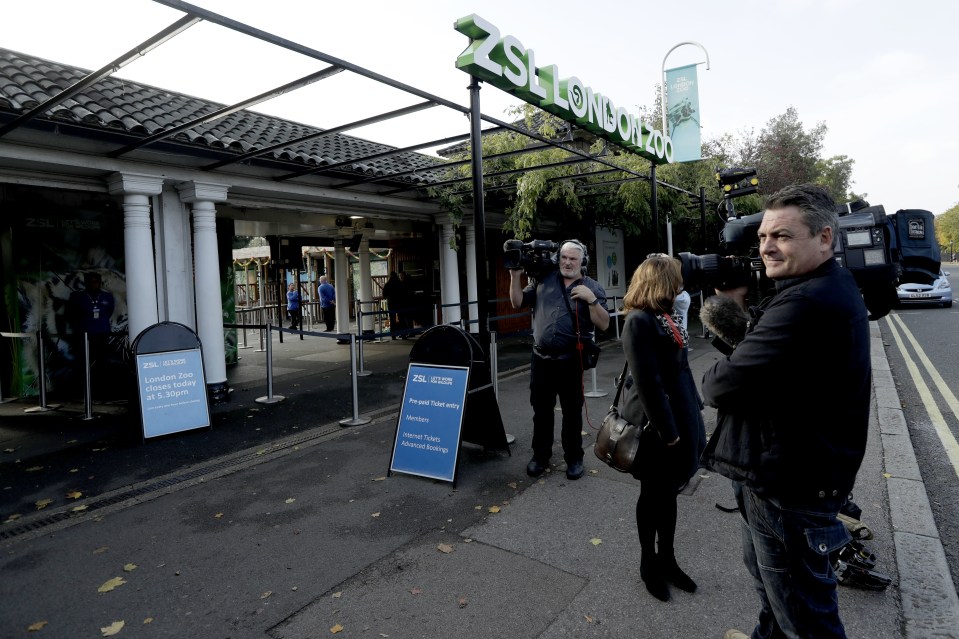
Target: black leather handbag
(618,441)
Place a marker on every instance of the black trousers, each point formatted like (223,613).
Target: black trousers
(548,379)
(329,317)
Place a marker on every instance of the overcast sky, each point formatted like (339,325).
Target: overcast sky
(882,74)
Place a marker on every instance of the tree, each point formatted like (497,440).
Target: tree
(947,229)
(835,175)
(787,153)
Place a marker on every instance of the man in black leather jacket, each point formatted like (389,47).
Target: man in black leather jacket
(792,405)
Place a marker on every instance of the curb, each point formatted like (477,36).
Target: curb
(930,604)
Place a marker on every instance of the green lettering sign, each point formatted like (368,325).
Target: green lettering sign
(505,63)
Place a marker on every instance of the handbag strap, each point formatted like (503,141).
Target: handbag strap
(622,382)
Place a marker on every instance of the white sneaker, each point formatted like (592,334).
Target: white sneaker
(735,634)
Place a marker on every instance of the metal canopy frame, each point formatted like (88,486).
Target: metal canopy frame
(195,14)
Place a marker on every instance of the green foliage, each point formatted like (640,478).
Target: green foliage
(947,229)
(787,153)
(555,185)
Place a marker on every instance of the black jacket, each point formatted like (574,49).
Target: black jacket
(664,394)
(793,397)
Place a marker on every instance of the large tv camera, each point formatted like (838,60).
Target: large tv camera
(536,257)
(868,244)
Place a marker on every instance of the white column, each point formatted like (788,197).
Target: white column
(449,274)
(341,264)
(366,284)
(209,306)
(138,247)
(469,235)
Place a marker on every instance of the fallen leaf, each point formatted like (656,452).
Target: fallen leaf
(112,629)
(295,588)
(266,594)
(9,450)
(593,471)
(596,541)
(97,450)
(494,509)
(100,550)
(111,584)
(337,628)
(447,548)
(12,518)
(416,590)
(129,568)
(290,500)
(218,515)
(379,478)
(480,507)
(886,475)
(588,618)
(468,540)
(148,620)
(337,595)
(74,494)
(74,470)
(375,515)
(462,602)
(79,508)
(32,469)
(512,485)
(43,503)
(37,626)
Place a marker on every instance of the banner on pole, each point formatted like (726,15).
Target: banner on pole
(682,113)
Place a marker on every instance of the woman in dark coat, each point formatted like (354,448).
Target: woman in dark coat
(663,396)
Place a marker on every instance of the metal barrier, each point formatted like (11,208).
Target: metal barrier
(272,398)
(42,375)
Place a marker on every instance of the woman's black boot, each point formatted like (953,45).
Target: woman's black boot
(672,573)
(650,573)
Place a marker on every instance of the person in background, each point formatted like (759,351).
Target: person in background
(90,311)
(293,306)
(793,400)
(567,306)
(681,308)
(409,312)
(327,303)
(393,293)
(662,398)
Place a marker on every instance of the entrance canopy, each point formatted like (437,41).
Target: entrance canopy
(359,178)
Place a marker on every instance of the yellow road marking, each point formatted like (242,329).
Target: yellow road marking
(948,440)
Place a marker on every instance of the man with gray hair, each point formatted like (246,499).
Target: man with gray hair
(567,306)
(792,402)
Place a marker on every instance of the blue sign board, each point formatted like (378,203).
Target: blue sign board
(173,394)
(431,417)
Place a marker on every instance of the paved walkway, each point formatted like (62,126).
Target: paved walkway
(279,522)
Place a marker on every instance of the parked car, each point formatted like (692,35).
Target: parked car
(936,292)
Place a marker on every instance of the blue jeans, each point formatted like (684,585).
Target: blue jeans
(787,553)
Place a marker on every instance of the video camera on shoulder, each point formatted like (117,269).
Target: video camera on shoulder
(535,257)
(868,243)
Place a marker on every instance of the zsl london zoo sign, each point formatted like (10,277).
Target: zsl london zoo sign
(507,64)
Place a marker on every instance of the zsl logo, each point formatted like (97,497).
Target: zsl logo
(419,378)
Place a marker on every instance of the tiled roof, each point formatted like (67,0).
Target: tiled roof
(142,110)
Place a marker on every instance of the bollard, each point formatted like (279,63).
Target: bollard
(494,362)
(357,420)
(362,372)
(269,398)
(595,392)
(87,380)
(43,407)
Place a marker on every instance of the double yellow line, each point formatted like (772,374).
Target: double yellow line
(948,440)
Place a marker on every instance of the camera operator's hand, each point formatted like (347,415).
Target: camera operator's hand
(516,287)
(582,293)
(738,294)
